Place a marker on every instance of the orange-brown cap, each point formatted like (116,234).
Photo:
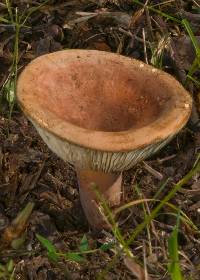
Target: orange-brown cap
(101,105)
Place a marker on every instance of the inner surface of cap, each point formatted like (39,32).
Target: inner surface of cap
(98,93)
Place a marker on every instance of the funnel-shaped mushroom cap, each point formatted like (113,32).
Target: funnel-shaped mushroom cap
(101,110)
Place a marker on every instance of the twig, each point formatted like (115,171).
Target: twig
(195,2)
(145,46)
(154,172)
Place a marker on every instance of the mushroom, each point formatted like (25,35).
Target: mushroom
(102,112)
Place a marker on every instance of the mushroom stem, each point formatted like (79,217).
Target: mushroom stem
(109,185)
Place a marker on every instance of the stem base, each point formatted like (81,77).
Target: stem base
(109,185)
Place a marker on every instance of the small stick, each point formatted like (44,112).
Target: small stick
(154,172)
(145,46)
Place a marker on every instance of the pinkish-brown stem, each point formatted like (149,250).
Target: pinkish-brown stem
(108,184)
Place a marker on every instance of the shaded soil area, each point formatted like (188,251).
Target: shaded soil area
(29,172)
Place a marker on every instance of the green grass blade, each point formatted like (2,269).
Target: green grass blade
(169,17)
(4,20)
(196,63)
(9,8)
(161,188)
(174,266)
(84,246)
(74,257)
(46,243)
(15,60)
(197,83)
(106,246)
(52,252)
(192,37)
(33,10)
(115,229)
(169,196)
